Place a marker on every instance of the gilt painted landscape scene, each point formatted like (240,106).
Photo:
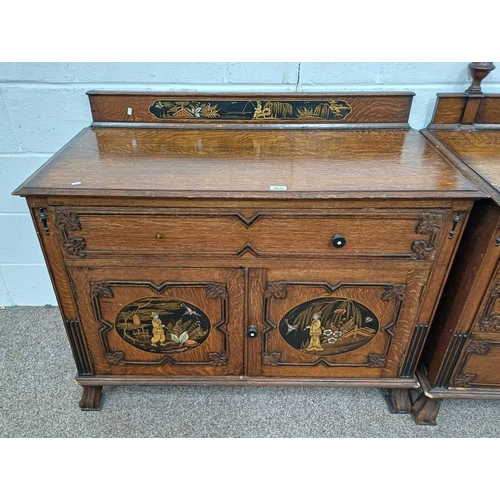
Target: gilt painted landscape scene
(162,325)
(327,326)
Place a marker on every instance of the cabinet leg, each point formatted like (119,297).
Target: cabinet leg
(399,401)
(91,397)
(425,410)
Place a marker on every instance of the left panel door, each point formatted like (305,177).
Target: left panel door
(162,321)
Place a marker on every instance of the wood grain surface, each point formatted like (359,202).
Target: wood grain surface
(241,164)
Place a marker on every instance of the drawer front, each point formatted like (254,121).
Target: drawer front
(410,234)
(354,322)
(479,364)
(161,321)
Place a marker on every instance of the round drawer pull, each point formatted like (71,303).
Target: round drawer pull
(338,241)
(159,236)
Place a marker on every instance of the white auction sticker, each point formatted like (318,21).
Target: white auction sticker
(277,188)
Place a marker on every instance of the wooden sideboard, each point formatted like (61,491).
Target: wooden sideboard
(249,240)
(462,356)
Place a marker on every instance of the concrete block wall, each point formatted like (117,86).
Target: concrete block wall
(43,105)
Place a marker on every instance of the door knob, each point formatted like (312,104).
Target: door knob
(252,331)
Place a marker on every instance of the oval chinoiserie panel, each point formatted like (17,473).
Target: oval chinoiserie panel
(326,326)
(161,325)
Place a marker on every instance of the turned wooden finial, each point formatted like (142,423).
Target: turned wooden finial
(479,71)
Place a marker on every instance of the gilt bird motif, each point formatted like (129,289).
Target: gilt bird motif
(291,328)
(189,311)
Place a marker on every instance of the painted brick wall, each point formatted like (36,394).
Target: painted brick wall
(43,105)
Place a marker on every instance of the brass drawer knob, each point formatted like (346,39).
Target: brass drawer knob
(338,241)
(159,236)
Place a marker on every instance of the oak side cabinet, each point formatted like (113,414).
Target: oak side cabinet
(462,356)
(248,239)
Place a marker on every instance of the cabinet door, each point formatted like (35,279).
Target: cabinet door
(158,321)
(345,321)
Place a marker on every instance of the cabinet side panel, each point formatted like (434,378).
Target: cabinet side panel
(47,232)
(470,274)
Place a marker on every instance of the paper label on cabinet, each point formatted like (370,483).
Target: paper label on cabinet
(277,188)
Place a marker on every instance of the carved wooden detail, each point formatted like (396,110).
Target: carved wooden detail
(376,360)
(67,222)
(422,250)
(216,290)
(491,322)
(276,289)
(271,358)
(104,289)
(464,379)
(217,359)
(431,223)
(75,246)
(476,347)
(115,358)
(101,289)
(479,347)
(394,292)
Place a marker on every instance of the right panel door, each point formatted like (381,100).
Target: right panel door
(341,321)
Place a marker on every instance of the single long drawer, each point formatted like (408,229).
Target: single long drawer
(411,234)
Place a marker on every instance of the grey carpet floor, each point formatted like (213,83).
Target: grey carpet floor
(38,398)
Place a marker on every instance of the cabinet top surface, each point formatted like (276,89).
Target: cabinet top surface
(479,149)
(226,163)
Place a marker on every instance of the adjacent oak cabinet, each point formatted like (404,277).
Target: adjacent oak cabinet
(286,239)
(462,355)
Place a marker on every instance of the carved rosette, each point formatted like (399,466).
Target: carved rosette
(216,290)
(75,246)
(430,224)
(276,289)
(115,358)
(217,359)
(376,360)
(422,250)
(464,379)
(101,289)
(394,292)
(68,221)
(478,347)
(271,358)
